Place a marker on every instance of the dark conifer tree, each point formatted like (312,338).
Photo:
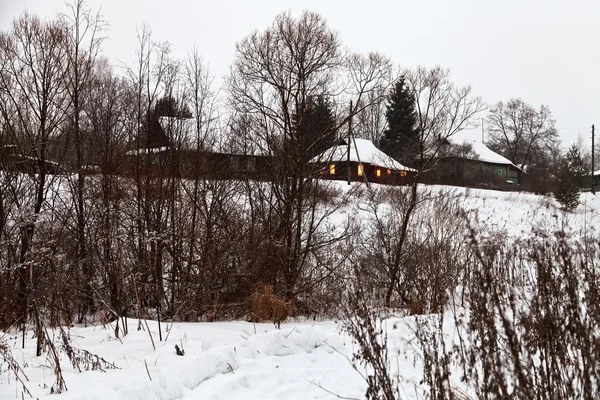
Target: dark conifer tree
(571,179)
(567,191)
(316,128)
(577,166)
(400,139)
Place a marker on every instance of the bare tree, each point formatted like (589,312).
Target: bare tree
(370,119)
(274,75)
(32,77)
(83,39)
(442,109)
(150,79)
(109,111)
(366,80)
(393,260)
(520,132)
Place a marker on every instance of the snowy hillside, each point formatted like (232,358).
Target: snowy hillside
(241,360)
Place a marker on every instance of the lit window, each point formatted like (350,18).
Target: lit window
(389,171)
(402,173)
(332,169)
(360,170)
(378,173)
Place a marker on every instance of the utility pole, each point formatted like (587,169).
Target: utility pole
(482,139)
(349,139)
(593,176)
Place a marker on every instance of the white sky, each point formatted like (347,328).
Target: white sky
(544,51)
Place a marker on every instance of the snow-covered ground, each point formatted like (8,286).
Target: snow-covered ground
(521,215)
(223,360)
(241,360)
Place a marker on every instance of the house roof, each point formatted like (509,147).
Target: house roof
(481,152)
(363,149)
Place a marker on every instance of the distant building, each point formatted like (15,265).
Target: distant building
(184,153)
(367,163)
(596,179)
(12,159)
(470,162)
(181,151)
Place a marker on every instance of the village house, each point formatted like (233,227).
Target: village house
(179,150)
(469,162)
(366,162)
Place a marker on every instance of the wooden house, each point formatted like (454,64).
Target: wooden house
(366,162)
(470,162)
(185,153)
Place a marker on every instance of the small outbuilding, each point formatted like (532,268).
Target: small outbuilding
(366,163)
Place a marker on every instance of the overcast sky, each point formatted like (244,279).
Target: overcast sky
(546,51)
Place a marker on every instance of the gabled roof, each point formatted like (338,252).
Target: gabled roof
(481,152)
(364,150)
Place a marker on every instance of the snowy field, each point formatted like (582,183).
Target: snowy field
(241,360)
(223,360)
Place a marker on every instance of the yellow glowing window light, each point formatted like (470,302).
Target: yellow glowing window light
(332,169)
(402,173)
(389,171)
(378,173)
(360,170)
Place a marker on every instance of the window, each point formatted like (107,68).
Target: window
(402,173)
(360,170)
(332,169)
(389,171)
(378,173)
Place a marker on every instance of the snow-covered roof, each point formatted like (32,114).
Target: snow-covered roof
(481,152)
(365,150)
(144,151)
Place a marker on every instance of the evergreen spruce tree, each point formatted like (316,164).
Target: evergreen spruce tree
(400,139)
(571,178)
(576,165)
(316,129)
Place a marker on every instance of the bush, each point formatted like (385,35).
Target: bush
(530,328)
(266,306)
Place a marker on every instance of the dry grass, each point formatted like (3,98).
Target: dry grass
(266,306)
